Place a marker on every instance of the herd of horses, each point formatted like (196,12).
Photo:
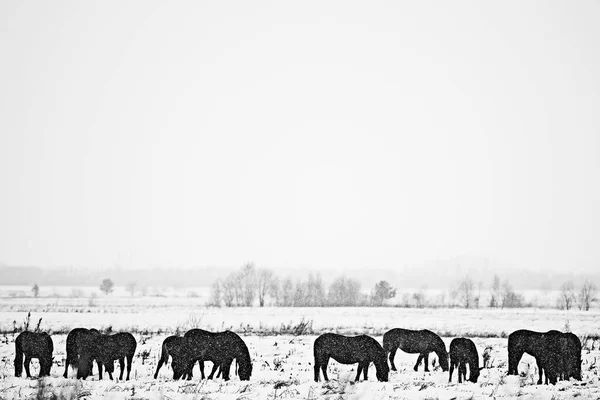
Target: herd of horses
(557,354)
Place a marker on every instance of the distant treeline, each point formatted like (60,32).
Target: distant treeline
(250,286)
(73,276)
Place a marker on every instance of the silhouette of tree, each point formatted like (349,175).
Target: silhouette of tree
(131,288)
(465,289)
(36,290)
(381,292)
(587,295)
(567,295)
(263,283)
(107,286)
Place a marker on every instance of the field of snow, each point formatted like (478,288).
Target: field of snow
(283,370)
(282,361)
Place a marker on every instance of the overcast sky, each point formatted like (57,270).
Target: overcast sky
(318,134)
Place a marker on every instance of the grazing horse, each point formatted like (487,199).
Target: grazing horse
(219,347)
(544,346)
(571,354)
(77,339)
(361,349)
(463,352)
(33,345)
(105,349)
(168,347)
(410,341)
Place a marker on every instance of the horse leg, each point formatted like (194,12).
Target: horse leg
(513,362)
(324,369)
(160,363)
(201,365)
(225,367)
(418,361)
(67,361)
(129,361)
(366,370)
(392,355)
(27,361)
(426,359)
(451,371)
(99,369)
(359,370)
(462,372)
(317,368)
(122,365)
(540,370)
(214,369)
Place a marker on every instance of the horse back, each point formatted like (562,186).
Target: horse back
(464,350)
(347,349)
(524,340)
(412,341)
(35,344)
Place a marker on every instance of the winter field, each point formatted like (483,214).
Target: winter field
(280,342)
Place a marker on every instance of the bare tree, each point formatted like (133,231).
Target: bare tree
(228,290)
(381,292)
(300,294)
(420,298)
(248,276)
(263,282)
(587,295)
(287,292)
(107,286)
(215,293)
(36,290)
(510,299)
(275,291)
(238,287)
(344,292)
(477,298)
(465,289)
(315,291)
(131,287)
(495,292)
(567,295)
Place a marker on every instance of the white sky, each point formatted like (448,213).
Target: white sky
(309,134)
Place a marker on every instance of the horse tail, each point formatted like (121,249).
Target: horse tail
(18,357)
(164,358)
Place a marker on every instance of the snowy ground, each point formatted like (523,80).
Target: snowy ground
(283,362)
(283,370)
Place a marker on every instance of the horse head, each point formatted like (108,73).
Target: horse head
(244,370)
(382,369)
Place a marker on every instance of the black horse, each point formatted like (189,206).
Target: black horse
(361,349)
(168,346)
(571,354)
(410,341)
(219,347)
(33,345)
(77,339)
(463,352)
(544,346)
(105,349)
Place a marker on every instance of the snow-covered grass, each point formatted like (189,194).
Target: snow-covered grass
(147,318)
(283,370)
(283,362)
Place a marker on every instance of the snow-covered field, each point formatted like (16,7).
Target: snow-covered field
(283,362)
(283,370)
